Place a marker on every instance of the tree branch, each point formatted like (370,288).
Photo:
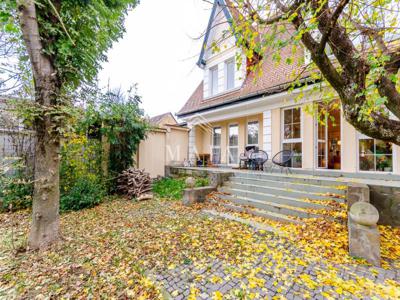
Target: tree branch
(333,20)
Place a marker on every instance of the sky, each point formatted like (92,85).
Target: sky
(159,52)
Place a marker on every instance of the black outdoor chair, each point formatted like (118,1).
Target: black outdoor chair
(245,157)
(283,160)
(258,159)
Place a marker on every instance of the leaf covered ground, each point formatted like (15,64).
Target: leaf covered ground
(114,250)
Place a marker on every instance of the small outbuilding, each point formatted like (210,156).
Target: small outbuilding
(166,144)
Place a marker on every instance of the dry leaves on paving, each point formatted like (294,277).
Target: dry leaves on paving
(109,250)
(326,238)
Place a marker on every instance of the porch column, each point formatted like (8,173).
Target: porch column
(267,132)
(192,144)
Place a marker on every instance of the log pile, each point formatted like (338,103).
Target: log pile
(134,183)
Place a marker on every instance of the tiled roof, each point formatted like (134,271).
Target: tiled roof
(275,77)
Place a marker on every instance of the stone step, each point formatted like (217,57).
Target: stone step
(281,191)
(321,189)
(262,213)
(284,200)
(272,207)
(296,178)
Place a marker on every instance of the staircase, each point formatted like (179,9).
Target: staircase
(280,197)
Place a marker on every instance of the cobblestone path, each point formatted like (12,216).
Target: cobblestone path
(274,274)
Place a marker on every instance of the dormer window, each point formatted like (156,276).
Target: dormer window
(230,74)
(213,80)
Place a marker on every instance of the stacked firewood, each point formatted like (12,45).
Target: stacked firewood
(134,183)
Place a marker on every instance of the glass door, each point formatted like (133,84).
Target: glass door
(233,146)
(322,138)
(216,146)
(328,136)
(292,136)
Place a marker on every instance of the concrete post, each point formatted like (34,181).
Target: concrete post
(364,238)
(192,145)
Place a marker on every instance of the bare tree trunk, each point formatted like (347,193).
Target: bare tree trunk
(45,211)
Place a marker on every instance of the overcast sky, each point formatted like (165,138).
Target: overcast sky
(159,53)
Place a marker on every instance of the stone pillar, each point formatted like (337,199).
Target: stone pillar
(192,145)
(364,238)
(357,192)
(267,132)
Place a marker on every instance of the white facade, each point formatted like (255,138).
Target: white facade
(220,35)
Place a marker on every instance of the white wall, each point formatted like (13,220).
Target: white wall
(228,50)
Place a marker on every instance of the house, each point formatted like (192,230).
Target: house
(231,109)
(166,144)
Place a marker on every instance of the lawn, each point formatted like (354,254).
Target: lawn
(147,250)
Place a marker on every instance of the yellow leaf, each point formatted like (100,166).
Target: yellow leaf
(217,295)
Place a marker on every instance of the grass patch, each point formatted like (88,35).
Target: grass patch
(172,188)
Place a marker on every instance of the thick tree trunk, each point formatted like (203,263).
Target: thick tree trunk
(45,212)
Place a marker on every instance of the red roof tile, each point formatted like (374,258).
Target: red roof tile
(275,77)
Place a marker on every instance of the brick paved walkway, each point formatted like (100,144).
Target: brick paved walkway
(274,273)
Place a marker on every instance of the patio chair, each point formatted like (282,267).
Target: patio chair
(283,160)
(258,159)
(245,157)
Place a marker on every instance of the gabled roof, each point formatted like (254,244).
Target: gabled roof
(228,16)
(156,120)
(275,77)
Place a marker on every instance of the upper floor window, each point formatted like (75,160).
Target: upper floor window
(230,74)
(213,80)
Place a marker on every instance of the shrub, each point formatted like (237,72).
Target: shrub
(201,181)
(80,158)
(16,189)
(85,193)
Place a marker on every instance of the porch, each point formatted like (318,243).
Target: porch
(339,177)
(334,147)
(282,194)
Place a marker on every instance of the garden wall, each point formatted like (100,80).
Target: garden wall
(387,200)
(21,144)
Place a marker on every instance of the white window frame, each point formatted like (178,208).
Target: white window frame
(211,80)
(296,140)
(213,145)
(247,132)
(232,147)
(361,136)
(230,60)
(316,141)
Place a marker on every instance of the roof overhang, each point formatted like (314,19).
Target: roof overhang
(249,97)
(251,106)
